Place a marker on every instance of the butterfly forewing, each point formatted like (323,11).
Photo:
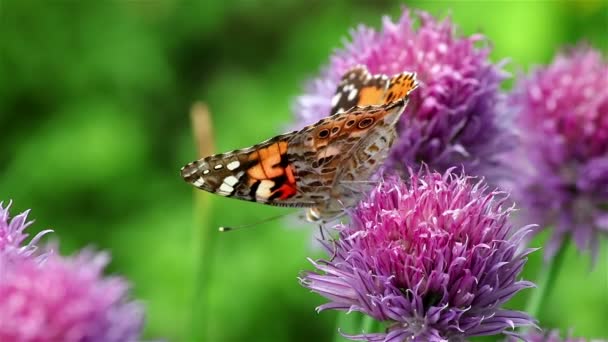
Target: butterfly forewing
(261,173)
(400,86)
(358,88)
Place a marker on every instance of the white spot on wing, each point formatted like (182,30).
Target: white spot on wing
(206,172)
(233,165)
(352,94)
(231,180)
(218,166)
(263,191)
(226,189)
(335,99)
(188,171)
(199,182)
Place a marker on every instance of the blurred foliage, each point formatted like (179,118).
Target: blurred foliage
(94,104)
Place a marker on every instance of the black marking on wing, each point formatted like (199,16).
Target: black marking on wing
(254,189)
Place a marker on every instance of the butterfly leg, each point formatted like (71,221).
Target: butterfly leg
(334,253)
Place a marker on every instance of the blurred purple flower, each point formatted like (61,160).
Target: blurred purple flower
(550,336)
(435,260)
(59,299)
(12,234)
(563,157)
(454,118)
(65,299)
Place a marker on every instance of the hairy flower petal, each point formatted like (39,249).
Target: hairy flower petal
(46,298)
(12,234)
(436,259)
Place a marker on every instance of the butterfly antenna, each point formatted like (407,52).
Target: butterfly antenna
(268,219)
(321,232)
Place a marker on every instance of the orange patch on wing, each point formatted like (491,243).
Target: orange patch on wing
(370,96)
(282,147)
(255,172)
(269,157)
(290,176)
(400,86)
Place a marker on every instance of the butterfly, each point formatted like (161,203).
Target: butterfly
(316,167)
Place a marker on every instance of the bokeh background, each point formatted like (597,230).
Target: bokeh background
(94,127)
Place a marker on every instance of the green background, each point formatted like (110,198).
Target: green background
(94,127)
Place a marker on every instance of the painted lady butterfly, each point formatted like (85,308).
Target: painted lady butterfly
(316,166)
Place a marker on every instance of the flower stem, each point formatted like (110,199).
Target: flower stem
(347,323)
(203,273)
(369,325)
(545,281)
(202,236)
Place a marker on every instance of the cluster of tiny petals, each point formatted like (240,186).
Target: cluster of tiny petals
(66,299)
(566,101)
(435,260)
(455,117)
(45,297)
(563,118)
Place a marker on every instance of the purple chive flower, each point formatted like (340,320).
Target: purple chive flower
(60,299)
(563,117)
(551,336)
(66,299)
(454,118)
(12,234)
(435,260)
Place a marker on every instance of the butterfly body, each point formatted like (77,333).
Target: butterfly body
(316,166)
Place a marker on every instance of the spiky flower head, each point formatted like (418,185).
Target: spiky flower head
(12,234)
(455,116)
(435,260)
(60,299)
(563,118)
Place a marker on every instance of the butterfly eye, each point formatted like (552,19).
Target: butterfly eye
(350,122)
(365,122)
(324,133)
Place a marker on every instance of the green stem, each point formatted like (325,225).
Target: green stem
(203,238)
(347,323)
(203,253)
(355,323)
(369,325)
(545,281)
